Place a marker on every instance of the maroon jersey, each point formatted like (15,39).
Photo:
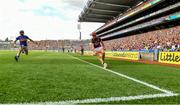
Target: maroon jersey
(96,42)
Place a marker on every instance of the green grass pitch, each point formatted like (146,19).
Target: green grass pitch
(53,77)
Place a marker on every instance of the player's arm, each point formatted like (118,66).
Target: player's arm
(92,47)
(102,44)
(32,40)
(15,42)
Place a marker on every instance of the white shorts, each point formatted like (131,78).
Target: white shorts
(98,49)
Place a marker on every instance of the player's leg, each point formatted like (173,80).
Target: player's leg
(102,52)
(19,53)
(82,52)
(98,54)
(26,50)
(23,51)
(101,56)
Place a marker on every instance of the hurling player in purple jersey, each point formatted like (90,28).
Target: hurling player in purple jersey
(23,44)
(98,48)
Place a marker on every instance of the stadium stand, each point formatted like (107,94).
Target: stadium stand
(129,16)
(140,25)
(148,28)
(5,45)
(167,39)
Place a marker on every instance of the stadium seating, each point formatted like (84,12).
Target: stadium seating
(165,39)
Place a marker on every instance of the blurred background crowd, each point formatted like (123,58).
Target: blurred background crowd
(165,40)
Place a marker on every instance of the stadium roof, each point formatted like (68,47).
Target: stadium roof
(104,10)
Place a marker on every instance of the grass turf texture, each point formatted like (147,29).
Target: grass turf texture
(47,76)
(163,76)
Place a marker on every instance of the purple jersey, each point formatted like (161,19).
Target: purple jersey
(96,42)
(23,40)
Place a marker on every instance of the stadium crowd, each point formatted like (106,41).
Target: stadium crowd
(166,40)
(163,39)
(58,45)
(44,45)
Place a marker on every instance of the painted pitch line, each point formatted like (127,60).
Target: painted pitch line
(128,98)
(125,76)
(99,100)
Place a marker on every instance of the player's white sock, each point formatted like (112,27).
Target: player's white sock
(17,55)
(105,65)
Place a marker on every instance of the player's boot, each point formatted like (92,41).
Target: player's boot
(16,58)
(105,65)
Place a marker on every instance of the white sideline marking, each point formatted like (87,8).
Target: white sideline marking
(112,99)
(130,78)
(100,100)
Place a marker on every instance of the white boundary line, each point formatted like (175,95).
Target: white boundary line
(99,100)
(127,77)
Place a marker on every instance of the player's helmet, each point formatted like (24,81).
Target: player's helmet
(21,32)
(94,34)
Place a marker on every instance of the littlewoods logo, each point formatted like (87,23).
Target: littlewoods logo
(171,57)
